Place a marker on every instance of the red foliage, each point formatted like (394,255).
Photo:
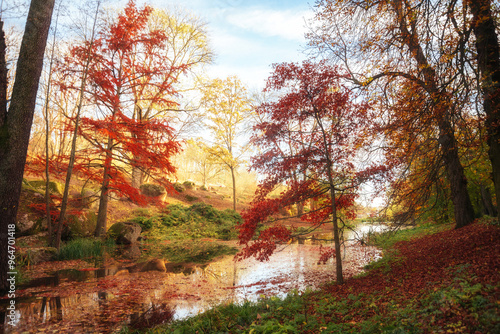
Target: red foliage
(126,73)
(313,129)
(325,253)
(427,264)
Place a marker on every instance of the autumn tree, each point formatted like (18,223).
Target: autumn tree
(122,71)
(177,61)
(200,163)
(16,119)
(227,106)
(488,65)
(398,50)
(314,128)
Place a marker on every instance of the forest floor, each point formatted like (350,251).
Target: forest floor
(447,282)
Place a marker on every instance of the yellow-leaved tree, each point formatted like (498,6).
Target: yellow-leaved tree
(227,106)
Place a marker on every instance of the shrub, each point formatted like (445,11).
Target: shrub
(190,198)
(178,187)
(199,220)
(188,184)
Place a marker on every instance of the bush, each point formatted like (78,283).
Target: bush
(82,225)
(188,184)
(190,198)
(199,220)
(178,187)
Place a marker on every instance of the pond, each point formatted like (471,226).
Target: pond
(104,299)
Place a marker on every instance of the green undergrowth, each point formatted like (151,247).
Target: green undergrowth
(386,240)
(447,282)
(84,249)
(199,220)
(194,251)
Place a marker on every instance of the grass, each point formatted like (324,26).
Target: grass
(190,222)
(444,282)
(84,249)
(386,240)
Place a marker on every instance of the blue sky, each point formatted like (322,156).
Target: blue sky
(249,36)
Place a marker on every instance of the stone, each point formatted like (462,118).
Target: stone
(152,190)
(36,254)
(154,265)
(125,232)
(24,225)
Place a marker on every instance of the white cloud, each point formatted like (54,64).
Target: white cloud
(288,24)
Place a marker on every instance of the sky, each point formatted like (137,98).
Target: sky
(249,36)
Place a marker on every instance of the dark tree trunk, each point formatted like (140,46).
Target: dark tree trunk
(488,60)
(102,214)
(487,204)
(463,209)
(15,125)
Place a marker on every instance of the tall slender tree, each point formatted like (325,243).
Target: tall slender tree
(313,128)
(488,63)
(414,43)
(16,119)
(227,106)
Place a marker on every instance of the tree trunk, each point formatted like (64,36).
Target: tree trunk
(47,141)
(15,125)
(463,209)
(234,187)
(104,197)
(488,60)
(69,172)
(487,204)
(336,235)
(137,177)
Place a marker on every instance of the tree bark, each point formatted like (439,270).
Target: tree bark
(15,125)
(463,209)
(71,165)
(488,60)
(234,187)
(102,213)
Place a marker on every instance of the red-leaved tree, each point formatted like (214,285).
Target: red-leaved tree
(120,76)
(314,130)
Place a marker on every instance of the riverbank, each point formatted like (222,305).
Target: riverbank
(444,282)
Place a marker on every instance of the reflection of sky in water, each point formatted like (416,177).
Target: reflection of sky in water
(294,266)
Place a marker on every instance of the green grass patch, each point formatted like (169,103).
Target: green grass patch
(199,220)
(84,249)
(386,240)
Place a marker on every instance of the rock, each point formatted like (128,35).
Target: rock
(151,265)
(125,232)
(152,190)
(131,252)
(122,272)
(54,187)
(154,265)
(36,255)
(24,225)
